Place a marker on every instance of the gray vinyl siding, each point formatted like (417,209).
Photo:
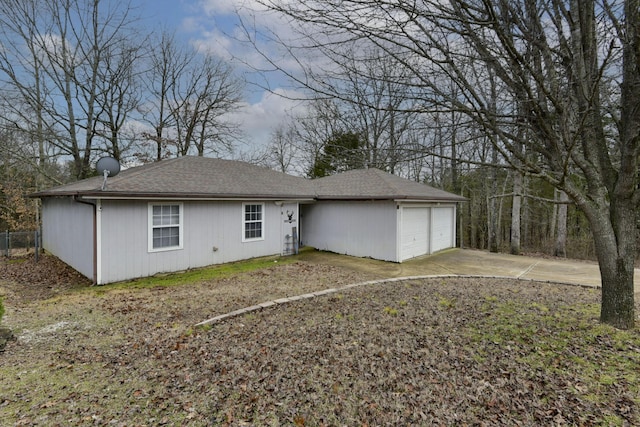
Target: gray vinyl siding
(67,232)
(206,224)
(362,229)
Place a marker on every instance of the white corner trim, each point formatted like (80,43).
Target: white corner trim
(98,242)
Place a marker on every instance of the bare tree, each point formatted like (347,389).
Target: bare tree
(51,62)
(580,48)
(371,93)
(283,150)
(25,95)
(168,61)
(201,98)
(189,98)
(313,129)
(119,97)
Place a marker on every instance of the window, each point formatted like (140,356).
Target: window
(253,221)
(165,226)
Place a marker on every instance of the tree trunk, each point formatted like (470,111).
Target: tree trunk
(615,250)
(560,248)
(473,225)
(554,215)
(492,208)
(613,223)
(158,145)
(493,212)
(515,213)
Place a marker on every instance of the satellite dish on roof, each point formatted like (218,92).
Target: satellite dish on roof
(107,166)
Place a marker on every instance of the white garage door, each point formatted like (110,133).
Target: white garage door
(415,232)
(442,233)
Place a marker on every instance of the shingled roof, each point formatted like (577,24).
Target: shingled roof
(191,177)
(374,184)
(202,178)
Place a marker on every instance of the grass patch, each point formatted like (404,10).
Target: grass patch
(446,303)
(391,311)
(566,341)
(52,390)
(195,275)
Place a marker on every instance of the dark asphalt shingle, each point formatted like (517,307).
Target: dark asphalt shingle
(202,177)
(378,185)
(192,177)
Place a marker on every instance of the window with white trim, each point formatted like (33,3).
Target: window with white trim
(253,221)
(165,226)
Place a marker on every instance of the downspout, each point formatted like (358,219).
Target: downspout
(97,251)
(77,199)
(398,232)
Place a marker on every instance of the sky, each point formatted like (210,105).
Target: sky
(210,25)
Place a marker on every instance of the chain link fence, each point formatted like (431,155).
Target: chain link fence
(14,243)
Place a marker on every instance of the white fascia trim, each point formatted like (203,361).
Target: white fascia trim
(199,199)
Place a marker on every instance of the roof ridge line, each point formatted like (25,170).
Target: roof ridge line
(384,175)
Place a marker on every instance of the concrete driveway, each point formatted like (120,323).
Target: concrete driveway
(479,263)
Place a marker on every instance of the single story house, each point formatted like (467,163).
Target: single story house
(192,212)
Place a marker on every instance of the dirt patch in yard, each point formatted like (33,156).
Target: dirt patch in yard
(420,352)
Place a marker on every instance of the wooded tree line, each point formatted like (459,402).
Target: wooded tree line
(327,140)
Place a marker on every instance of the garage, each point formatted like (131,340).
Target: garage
(426,229)
(443,225)
(371,213)
(414,232)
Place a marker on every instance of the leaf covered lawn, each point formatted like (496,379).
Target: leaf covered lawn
(420,352)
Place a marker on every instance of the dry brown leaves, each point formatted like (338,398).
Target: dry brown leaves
(23,280)
(424,352)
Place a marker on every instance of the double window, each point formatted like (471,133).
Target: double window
(253,221)
(165,226)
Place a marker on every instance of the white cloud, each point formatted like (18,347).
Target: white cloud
(228,29)
(215,28)
(259,119)
(224,7)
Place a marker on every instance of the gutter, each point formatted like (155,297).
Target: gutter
(404,199)
(190,196)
